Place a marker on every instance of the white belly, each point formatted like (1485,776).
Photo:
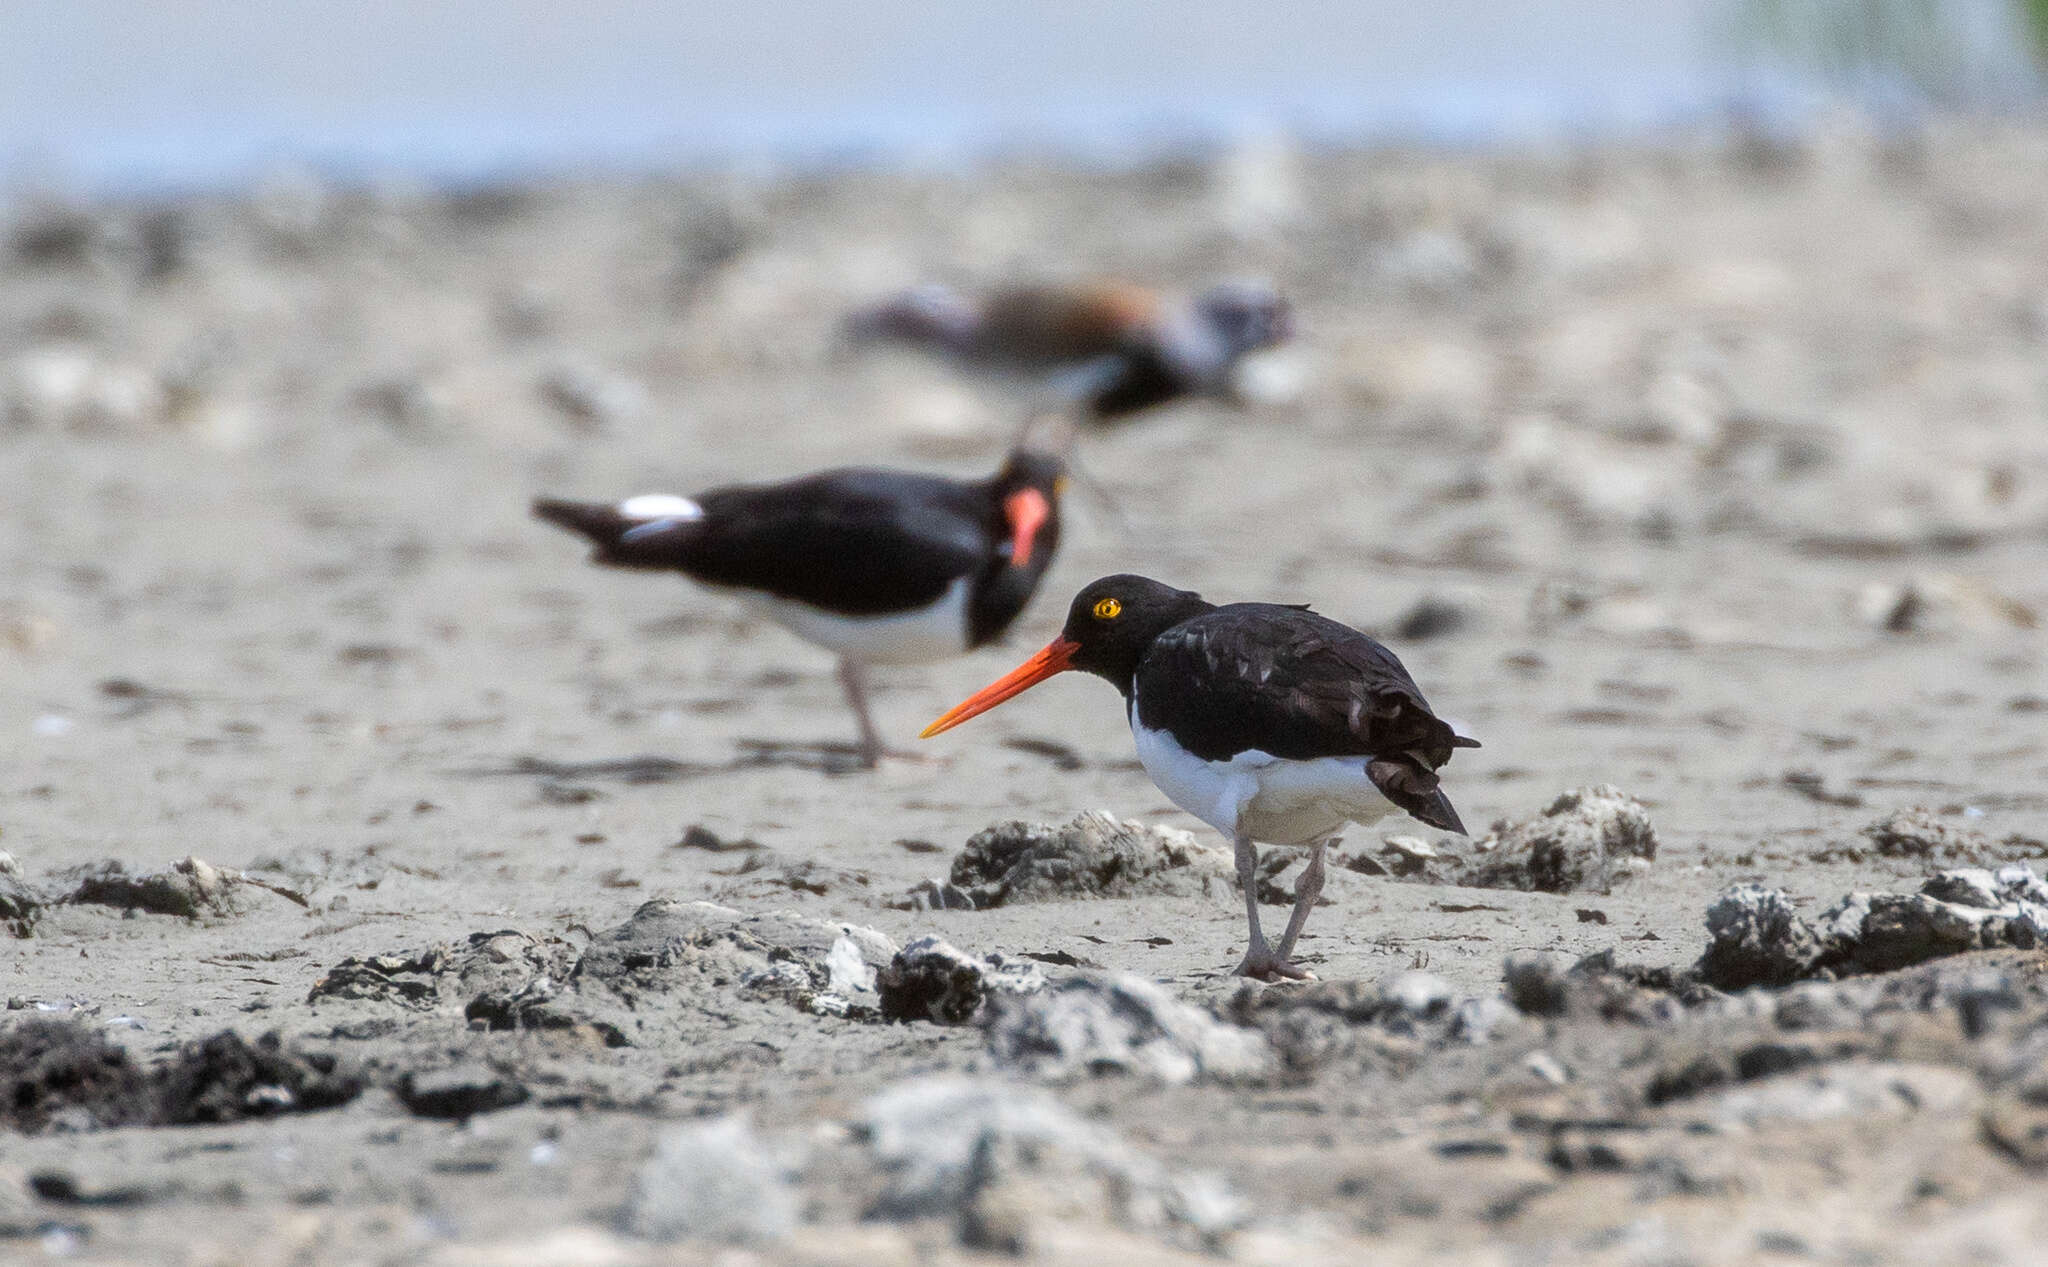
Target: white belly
(1280,802)
(937,632)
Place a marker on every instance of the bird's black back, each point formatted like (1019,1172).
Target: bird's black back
(1286,681)
(859,541)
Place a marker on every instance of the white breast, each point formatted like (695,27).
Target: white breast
(1278,801)
(936,632)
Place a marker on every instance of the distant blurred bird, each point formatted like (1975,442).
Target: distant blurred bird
(877,566)
(1116,348)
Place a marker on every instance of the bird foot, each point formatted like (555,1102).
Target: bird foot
(1263,963)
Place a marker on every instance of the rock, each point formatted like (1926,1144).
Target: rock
(677,949)
(224,1079)
(1756,938)
(1389,1027)
(502,963)
(713,1181)
(1096,1023)
(1918,833)
(931,980)
(698,836)
(64,1074)
(948,1143)
(761,880)
(1901,929)
(20,905)
(193,888)
(1964,886)
(60,1187)
(1589,838)
(1095,855)
(1536,984)
(934,895)
(460,1092)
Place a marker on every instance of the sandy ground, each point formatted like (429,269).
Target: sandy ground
(1728,455)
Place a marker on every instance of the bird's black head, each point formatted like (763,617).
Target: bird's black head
(1109,626)
(1112,621)
(1025,468)
(1029,487)
(1246,315)
(1027,502)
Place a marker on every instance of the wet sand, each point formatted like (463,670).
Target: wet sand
(1726,454)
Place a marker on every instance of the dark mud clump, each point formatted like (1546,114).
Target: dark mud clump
(1100,1023)
(495,962)
(224,1079)
(191,887)
(647,979)
(932,980)
(1759,939)
(20,905)
(66,1075)
(1095,855)
(1919,833)
(1589,839)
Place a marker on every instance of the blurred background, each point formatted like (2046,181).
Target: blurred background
(1699,327)
(111,95)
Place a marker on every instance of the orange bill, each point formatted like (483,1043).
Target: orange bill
(1027,510)
(1057,657)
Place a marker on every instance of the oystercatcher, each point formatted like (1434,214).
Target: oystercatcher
(1116,347)
(878,566)
(1269,723)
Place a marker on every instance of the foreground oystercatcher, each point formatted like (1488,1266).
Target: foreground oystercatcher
(1269,723)
(877,566)
(1116,347)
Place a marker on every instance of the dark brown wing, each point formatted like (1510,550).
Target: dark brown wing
(1048,325)
(1286,681)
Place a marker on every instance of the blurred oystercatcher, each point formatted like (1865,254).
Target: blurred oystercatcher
(1118,348)
(1266,722)
(878,566)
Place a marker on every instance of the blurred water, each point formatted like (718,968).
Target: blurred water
(146,93)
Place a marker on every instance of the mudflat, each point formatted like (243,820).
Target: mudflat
(1711,471)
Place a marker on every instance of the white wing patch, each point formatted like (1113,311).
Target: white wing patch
(660,506)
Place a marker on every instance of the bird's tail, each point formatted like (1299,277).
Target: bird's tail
(640,532)
(1413,788)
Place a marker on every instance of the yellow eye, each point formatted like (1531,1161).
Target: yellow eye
(1059,487)
(1108,609)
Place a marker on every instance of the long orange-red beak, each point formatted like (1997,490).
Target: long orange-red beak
(1027,510)
(1057,657)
